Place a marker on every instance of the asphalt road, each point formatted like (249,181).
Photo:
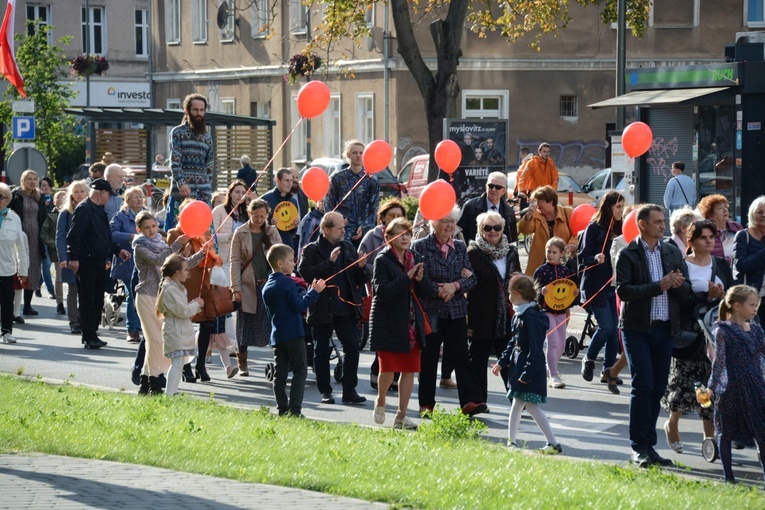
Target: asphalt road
(589,422)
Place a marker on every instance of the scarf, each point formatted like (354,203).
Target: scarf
(519,309)
(494,252)
(406,267)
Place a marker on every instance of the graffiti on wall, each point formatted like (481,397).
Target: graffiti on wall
(661,154)
(574,153)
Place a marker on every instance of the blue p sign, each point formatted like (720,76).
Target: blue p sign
(23,128)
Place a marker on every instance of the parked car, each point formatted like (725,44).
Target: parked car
(413,177)
(569,192)
(389,185)
(603,182)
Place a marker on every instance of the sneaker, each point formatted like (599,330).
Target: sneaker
(232,371)
(8,339)
(405,424)
(556,381)
(60,310)
(551,449)
(448,384)
(512,445)
(379,415)
(588,367)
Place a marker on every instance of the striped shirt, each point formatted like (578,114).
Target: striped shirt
(660,303)
(191,161)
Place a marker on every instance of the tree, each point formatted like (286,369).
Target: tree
(43,67)
(513,19)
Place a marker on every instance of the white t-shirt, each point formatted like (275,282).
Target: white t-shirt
(700,276)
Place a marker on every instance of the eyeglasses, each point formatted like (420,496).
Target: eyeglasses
(447,221)
(495,186)
(495,228)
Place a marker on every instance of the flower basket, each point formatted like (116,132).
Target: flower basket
(302,65)
(89,65)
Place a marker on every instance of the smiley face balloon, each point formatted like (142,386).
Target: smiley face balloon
(286,214)
(560,294)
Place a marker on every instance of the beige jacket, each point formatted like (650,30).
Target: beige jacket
(241,252)
(177,328)
(538,227)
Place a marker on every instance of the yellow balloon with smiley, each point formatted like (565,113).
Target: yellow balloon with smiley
(560,294)
(286,214)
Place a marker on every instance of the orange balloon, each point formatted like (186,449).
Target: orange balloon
(448,156)
(195,219)
(313,99)
(637,139)
(437,200)
(581,217)
(377,156)
(630,227)
(315,183)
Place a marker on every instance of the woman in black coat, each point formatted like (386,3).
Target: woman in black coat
(397,325)
(494,262)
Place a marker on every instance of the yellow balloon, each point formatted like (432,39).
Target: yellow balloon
(560,294)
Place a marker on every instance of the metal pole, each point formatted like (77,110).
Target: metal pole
(621,39)
(308,78)
(386,76)
(152,127)
(90,145)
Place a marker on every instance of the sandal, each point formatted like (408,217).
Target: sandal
(379,414)
(611,380)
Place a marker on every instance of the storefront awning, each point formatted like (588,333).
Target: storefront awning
(664,97)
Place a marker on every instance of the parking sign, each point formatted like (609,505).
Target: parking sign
(23,128)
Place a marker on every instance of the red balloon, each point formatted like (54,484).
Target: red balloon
(637,139)
(377,156)
(313,99)
(437,200)
(195,219)
(315,183)
(630,227)
(581,217)
(448,156)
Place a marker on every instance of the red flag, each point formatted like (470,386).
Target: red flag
(7,54)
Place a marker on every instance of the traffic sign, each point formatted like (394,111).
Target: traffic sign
(23,128)
(23,159)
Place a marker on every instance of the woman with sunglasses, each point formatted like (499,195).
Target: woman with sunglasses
(494,262)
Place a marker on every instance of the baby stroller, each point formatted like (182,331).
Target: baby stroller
(574,345)
(110,315)
(707,318)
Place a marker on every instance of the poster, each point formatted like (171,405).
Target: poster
(484,148)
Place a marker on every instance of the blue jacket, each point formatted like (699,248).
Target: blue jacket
(62,227)
(285,302)
(525,356)
(749,259)
(123,226)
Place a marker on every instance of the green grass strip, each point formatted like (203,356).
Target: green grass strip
(443,465)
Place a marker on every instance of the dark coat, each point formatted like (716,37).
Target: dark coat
(593,285)
(90,238)
(315,264)
(285,302)
(635,288)
(525,357)
(476,206)
(62,228)
(482,304)
(389,318)
(17,206)
(749,259)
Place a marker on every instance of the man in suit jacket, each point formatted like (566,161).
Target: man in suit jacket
(492,200)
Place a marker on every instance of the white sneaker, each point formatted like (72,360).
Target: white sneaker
(405,424)
(8,339)
(556,381)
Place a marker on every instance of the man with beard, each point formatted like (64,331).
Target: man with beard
(538,171)
(302,198)
(191,151)
(493,157)
(284,208)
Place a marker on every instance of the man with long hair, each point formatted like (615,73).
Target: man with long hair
(191,151)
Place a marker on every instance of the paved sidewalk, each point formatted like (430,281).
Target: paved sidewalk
(53,482)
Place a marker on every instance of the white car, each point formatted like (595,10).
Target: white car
(603,182)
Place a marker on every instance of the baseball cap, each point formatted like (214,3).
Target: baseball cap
(101,185)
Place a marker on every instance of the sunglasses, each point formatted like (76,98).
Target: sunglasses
(495,228)
(495,186)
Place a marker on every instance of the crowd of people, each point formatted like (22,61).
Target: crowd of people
(300,277)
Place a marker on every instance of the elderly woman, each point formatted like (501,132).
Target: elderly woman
(710,277)
(14,260)
(544,219)
(715,208)
(679,222)
(76,193)
(452,275)
(249,272)
(749,252)
(48,235)
(397,321)
(371,243)
(494,261)
(123,232)
(29,205)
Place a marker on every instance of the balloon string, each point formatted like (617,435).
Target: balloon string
(340,202)
(582,305)
(341,297)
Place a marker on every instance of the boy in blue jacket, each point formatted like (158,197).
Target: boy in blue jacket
(285,302)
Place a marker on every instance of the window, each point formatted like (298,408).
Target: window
(297,17)
(141,33)
(365,117)
(569,107)
(173,104)
(674,14)
(261,109)
(331,132)
(754,13)
(299,136)
(40,14)
(260,17)
(95,28)
(228,105)
(199,21)
(173,21)
(485,104)
(228,31)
